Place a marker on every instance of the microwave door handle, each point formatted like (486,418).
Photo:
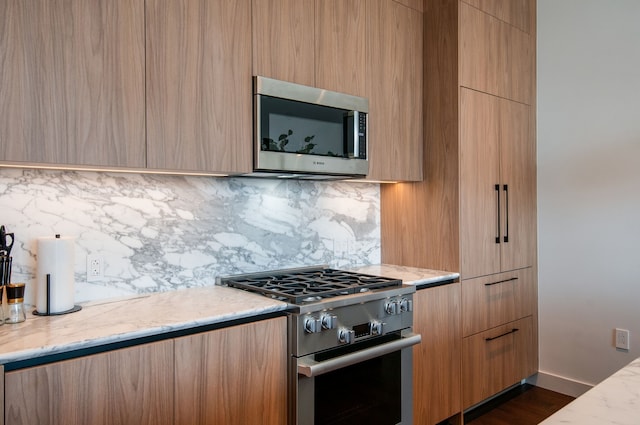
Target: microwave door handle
(351,145)
(355,129)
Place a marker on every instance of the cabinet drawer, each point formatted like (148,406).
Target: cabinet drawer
(493,300)
(496,359)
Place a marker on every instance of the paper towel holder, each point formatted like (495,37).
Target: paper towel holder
(48,312)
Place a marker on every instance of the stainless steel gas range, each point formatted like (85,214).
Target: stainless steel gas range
(350,340)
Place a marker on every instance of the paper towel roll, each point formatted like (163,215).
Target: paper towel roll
(56,257)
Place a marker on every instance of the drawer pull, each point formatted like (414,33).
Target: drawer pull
(514,330)
(501,281)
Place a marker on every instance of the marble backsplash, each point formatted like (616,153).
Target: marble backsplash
(158,232)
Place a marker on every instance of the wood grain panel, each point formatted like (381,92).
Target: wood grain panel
(496,359)
(236,375)
(395,91)
(490,301)
(518,172)
(122,387)
(72,82)
(436,360)
(341,46)
(283,40)
(514,12)
(495,57)
(479,173)
(420,221)
(199,102)
(414,4)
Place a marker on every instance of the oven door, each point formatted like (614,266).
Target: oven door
(364,383)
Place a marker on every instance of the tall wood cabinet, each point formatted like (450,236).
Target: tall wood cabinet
(72,82)
(475,212)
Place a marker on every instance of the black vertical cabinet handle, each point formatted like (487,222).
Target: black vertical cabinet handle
(506,209)
(497,187)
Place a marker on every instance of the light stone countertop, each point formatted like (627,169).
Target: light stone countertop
(409,275)
(106,322)
(616,400)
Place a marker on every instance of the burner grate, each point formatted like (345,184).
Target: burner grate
(311,286)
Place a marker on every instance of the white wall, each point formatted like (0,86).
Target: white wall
(588,187)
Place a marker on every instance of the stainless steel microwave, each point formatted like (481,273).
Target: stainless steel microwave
(306,132)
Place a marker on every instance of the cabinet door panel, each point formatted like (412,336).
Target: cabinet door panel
(340,46)
(518,172)
(479,174)
(414,4)
(436,360)
(199,103)
(490,301)
(515,12)
(496,359)
(394,68)
(72,82)
(283,40)
(235,375)
(495,57)
(122,387)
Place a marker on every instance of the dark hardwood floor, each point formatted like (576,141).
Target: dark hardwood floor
(524,405)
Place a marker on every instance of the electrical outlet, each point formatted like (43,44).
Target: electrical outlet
(95,268)
(622,339)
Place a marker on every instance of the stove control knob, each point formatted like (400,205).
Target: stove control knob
(391,307)
(375,327)
(406,305)
(312,325)
(345,336)
(329,321)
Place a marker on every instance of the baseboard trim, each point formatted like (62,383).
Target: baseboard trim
(559,384)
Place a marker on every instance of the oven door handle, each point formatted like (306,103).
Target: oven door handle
(311,368)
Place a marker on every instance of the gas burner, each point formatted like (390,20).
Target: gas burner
(309,285)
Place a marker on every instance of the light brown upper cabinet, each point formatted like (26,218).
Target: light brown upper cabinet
(515,12)
(318,43)
(368,48)
(497,185)
(199,110)
(394,77)
(340,46)
(283,40)
(72,82)
(495,57)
